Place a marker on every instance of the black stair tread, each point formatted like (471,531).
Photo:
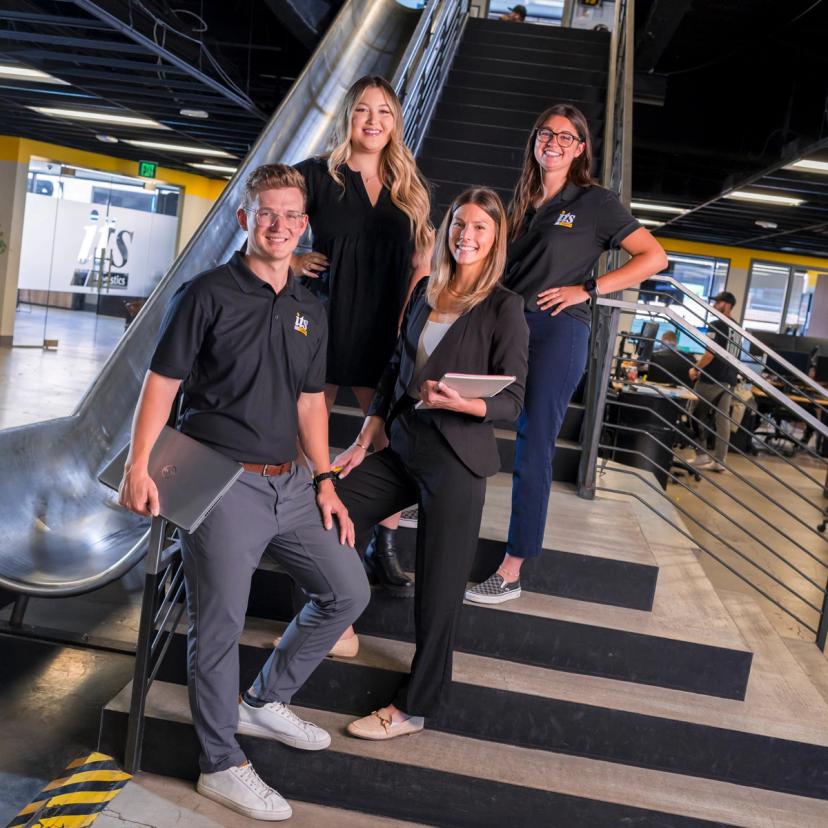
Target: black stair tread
(503,136)
(492,66)
(591,639)
(544,58)
(485,175)
(557,86)
(446,756)
(480,114)
(473,150)
(596,578)
(436,778)
(582,41)
(509,103)
(552,32)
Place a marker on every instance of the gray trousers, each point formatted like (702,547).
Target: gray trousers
(219,560)
(713,400)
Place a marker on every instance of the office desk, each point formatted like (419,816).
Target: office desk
(650,445)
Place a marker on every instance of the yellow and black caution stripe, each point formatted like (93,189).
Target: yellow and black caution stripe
(75,800)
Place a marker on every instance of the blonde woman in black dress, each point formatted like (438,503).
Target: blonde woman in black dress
(369,212)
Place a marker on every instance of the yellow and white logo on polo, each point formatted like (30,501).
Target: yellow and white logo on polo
(565,219)
(301,324)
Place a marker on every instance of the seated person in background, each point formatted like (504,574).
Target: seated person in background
(667,364)
(517,14)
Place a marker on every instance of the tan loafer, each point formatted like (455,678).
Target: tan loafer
(344,648)
(379,726)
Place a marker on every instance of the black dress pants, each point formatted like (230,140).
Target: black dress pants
(419,465)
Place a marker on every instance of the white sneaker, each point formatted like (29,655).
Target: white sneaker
(710,464)
(243,790)
(277,721)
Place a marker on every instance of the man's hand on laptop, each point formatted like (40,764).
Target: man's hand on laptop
(138,493)
(332,507)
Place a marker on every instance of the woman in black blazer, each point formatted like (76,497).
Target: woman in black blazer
(459,320)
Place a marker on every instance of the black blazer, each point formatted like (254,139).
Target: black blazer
(491,338)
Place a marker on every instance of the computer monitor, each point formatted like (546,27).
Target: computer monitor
(647,339)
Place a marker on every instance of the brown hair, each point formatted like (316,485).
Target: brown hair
(398,170)
(272,177)
(530,183)
(444,264)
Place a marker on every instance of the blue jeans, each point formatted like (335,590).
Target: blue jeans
(558,347)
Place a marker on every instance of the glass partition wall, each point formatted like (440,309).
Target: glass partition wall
(94,246)
(778,298)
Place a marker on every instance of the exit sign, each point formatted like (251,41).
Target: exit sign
(147,169)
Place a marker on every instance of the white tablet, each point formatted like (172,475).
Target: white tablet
(472,386)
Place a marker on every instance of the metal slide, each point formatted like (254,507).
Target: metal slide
(61,532)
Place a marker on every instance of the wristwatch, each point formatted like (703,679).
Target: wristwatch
(328,475)
(591,287)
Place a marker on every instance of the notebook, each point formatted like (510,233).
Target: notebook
(475,385)
(191,477)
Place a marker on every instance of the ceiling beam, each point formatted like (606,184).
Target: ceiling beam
(108,16)
(655,35)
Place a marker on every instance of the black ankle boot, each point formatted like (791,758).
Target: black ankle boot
(383,564)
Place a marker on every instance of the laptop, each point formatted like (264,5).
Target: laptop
(191,477)
(475,385)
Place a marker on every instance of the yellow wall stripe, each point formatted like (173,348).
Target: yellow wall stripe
(75,808)
(21,150)
(740,256)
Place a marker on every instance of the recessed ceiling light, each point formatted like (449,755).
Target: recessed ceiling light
(107,139)
(765,198)
(767,225)
(185,148)
(11,71)
(648,222)
(809,166)
(656,208)
(214,168)
(193,113)
(98,117)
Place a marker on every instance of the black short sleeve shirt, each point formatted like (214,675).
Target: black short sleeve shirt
(717,369)
(245,354)
(562,241)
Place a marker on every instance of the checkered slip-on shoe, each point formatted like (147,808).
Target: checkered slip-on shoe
(494,590)
(408,517)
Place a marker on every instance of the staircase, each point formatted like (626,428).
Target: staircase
(619,690)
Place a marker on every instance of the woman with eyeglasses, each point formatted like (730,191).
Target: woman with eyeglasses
(560,222)
(368,208)
(442,446)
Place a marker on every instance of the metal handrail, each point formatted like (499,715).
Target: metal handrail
(722,353)
(431,47)
(745,333)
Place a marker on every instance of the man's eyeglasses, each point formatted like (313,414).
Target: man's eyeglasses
(565,139)
(267,218)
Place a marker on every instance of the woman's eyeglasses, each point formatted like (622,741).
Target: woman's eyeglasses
(565,139)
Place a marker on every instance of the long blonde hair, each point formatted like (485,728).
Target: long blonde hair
(398,170)
(530,183)
(445,266)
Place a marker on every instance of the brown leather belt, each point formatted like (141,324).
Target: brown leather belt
(267,469)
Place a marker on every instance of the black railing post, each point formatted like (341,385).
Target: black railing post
(822,629)
(143,650)
(599,362)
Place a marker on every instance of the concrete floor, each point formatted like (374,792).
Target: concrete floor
(38,384)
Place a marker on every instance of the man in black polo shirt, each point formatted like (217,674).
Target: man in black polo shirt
(716,379)
(249,343)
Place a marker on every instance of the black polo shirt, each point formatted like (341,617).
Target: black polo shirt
(245,354)
(717,369)
(561,242)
